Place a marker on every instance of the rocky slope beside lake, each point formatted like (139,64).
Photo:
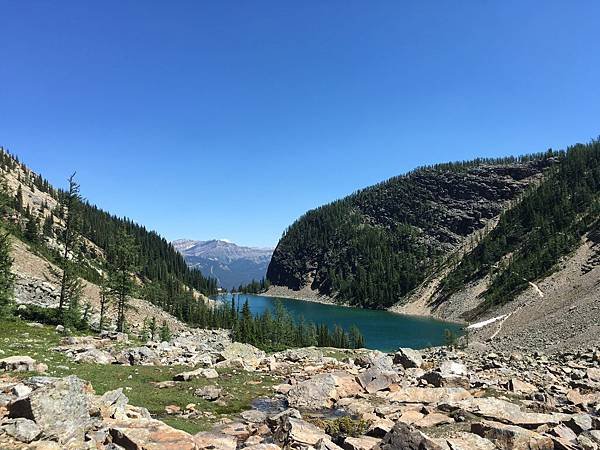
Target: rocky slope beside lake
(358,400)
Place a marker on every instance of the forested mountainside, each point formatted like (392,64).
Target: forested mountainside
(530,239)
(375,246)
(37,216)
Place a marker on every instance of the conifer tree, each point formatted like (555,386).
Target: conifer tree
(165,332)
(6,276)
(70,240)
(121,269)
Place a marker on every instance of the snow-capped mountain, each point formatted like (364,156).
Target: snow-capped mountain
(230,263)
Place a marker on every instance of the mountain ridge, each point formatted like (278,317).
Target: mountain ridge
(232,264)
(458,241)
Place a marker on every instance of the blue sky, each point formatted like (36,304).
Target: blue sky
(230,119)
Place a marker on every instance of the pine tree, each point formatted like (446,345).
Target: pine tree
(105,296)
(121,269)
(6,276)
(48,227)
(31,231)
(152,328)
(19,199)
(70,239)
(165,332)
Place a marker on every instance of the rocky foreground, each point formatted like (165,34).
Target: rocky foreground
(360,400)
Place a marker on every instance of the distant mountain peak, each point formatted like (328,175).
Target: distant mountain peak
(230,263)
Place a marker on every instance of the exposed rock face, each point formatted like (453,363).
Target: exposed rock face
(439,206)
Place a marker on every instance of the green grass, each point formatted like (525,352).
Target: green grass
(239,387)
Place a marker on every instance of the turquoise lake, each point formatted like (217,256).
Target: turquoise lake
(382,330)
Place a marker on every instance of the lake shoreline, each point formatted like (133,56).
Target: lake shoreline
(308,295)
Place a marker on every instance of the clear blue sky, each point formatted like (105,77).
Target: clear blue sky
(228,119)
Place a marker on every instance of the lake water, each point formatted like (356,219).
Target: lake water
(382,330)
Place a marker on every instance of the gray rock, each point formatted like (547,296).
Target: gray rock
(314,393)
(254,416)
(405,437)
(510,437)
(250,355)
(210,393)
(375,379)
(20,390)
(580,423)
(297,432)
(408,358)
(24,430)
(95,356)
(18,364)
(374,359)
(60,409)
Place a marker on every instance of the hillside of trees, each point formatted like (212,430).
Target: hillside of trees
(89,242)
(375,246)
(530,238)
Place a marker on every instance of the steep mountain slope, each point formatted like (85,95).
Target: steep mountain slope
(375,246)
(231,264)
(35,215)
(522,250)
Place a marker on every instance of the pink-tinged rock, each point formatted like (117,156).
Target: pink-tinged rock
(149,434)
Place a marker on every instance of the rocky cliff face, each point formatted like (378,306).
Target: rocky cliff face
(375,246)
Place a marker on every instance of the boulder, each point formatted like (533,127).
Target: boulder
(360,443)
(94,356)
(346,384)
(215,441)
(314,393)
(112,404)
(432,420)
(296,431)
(20,390)
(511,437)
(580,423)
(60,409)
(374,359)
(18,364)
(376,379)
(198,373)
(254,416)
(149,434)
(210,393)
(250,355)
(507,412)
(408,358)
(429,395)
(135,356)
(469,441)
(23,430)
(326,444)
(521,387)
(405,437)
(450,374)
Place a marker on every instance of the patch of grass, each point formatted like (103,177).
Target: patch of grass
(239,387)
